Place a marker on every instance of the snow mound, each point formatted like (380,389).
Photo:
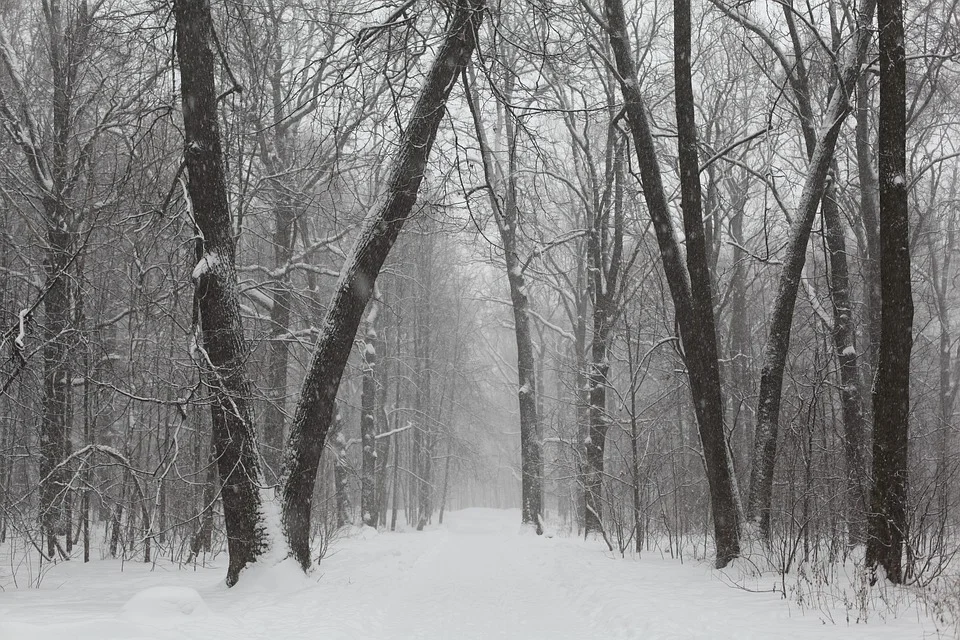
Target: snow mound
(360,531)
(265,576)
(171,604)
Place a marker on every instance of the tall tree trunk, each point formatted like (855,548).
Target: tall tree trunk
(503,202)
(56,373)
(224,351)
(426,426)
(740,343)
(315,409)
(778,341)
(697,338)
(891,387)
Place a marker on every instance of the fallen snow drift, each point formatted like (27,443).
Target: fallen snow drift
(475,577)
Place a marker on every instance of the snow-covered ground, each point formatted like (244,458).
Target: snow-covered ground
(477,576)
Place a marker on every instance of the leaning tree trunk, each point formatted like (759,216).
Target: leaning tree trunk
(778,341)
(891,387)
(314,411)
(698,338)
(223,350)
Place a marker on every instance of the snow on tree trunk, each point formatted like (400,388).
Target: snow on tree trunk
(423,403)
(891,387)
(369,509)
(315,408)
(223,351)
(341,470)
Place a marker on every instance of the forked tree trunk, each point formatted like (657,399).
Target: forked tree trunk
(843,327)
(223,350)
(891,388)
(315,408)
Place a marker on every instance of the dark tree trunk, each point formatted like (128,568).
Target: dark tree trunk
(223,352)
(701,361)
(891,387)
(315,409)
(56,374)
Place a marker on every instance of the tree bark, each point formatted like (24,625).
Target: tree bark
(503,184)
(224,351)
(870,216)
(891,387)
(315,408)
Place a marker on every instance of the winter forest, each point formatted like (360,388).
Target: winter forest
(479,318)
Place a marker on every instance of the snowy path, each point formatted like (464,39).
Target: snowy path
(474,578)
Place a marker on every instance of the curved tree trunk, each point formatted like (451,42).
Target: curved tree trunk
(315,408)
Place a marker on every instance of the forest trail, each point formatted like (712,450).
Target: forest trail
(477,576)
